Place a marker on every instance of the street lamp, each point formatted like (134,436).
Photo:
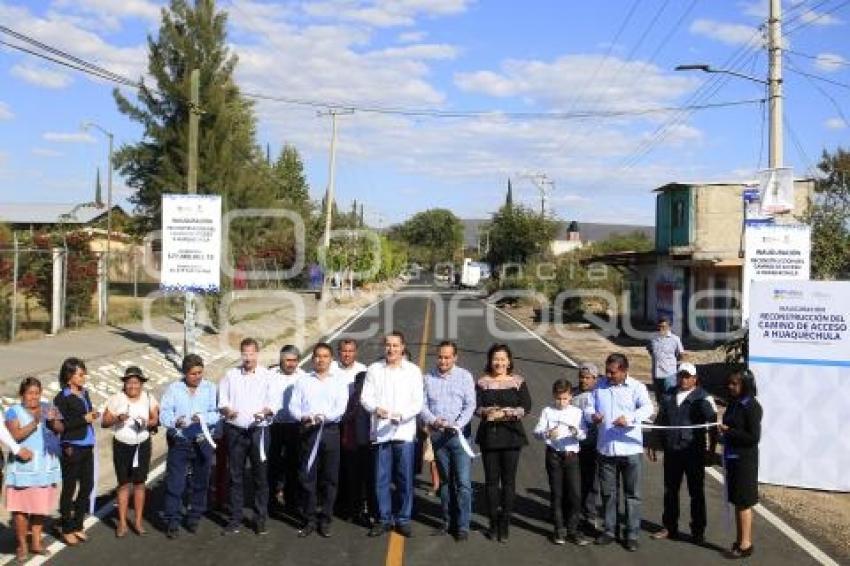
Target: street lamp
(86,126)
(709,69)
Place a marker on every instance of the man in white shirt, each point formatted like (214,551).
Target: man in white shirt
(318,403)
(246,406)
(283,446)
(393,394)
(666,351)
(618,406)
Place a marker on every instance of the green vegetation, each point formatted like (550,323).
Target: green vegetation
(432,236)
(829,217)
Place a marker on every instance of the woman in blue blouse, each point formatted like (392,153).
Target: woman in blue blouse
(32,485)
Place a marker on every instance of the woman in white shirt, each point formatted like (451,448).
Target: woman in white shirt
(132,414)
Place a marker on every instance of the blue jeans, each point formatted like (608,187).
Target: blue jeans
(394,464)
(453,465)
(630,469)
(661,384)
(182,453)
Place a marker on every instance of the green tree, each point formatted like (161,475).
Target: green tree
(517,234)
(829,216)
(229,163)
(433,235)
(635,241)
(289,182)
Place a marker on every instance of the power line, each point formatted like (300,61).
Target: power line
(820,78)
(825,58)
(815,18)
(94,70)
(823,92)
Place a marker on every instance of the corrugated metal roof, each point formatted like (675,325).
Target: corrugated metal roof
(50,213)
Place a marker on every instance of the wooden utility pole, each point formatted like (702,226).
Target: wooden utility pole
(192,188)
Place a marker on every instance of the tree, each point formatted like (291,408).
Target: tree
(829,216)
(517,234)
(288,180)
(635,241)
(433,235)
(229,162)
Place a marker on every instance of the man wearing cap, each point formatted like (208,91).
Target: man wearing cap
(665,349)
(132,414)
(283,447)
(245,404)
(685,450)
(587,455)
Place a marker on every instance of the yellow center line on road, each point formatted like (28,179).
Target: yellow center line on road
(395,547)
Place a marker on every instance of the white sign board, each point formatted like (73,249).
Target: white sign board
(191,243)
(775,252)
(776,188)
(800,355)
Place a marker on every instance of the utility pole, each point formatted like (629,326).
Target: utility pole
(329,195)
(105,320)
(774,49)
(192,188)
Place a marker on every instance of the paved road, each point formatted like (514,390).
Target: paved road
(529,542)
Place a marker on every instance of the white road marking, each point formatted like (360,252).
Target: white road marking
(555,350)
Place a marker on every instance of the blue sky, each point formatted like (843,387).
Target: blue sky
(457,55)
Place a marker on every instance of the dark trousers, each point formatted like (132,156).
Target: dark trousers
(564,489)
(183,454)
(357,482)
(500,481)
(320,480)
(284,461)
(588,460)
(77,477)
(688,463)
(243,445)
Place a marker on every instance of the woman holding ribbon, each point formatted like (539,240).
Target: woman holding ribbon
(31,486)
(131,414)
(741,430)
(77,440)
(502,400)
(189,408)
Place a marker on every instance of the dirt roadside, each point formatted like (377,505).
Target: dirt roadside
(822,515)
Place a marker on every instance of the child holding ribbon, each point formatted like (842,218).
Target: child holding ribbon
(131,414)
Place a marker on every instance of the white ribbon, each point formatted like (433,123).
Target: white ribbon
(95,466)
(676,427)
(205,429)
(465,443)
(136,457)
(315,450)
(263,442)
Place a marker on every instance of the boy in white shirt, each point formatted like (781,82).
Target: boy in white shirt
(562,427)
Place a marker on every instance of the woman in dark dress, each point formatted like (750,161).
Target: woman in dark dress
(502,400)
(741,429)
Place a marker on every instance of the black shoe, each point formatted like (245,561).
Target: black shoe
(173,532)
(324,530)
(231,529)
(260,527)
(462,536)
(306,531)
(631,545)
(578,539)
(698,538)
(404,530)
(439,532)
(504,528)
(558,537)
(604,539)
(378,530)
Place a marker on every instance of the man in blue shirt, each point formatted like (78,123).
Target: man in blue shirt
(666,351)
(448,408)
(618,406)
(188,410)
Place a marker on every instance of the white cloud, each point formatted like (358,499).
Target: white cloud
(732,34)
(45,152)
(99,14)
(412,37)
(830,62)
(385,13)
(41,76)
(812,17)
(68,137)
(618,85)
(6,112)
(420,51)
(835,124)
